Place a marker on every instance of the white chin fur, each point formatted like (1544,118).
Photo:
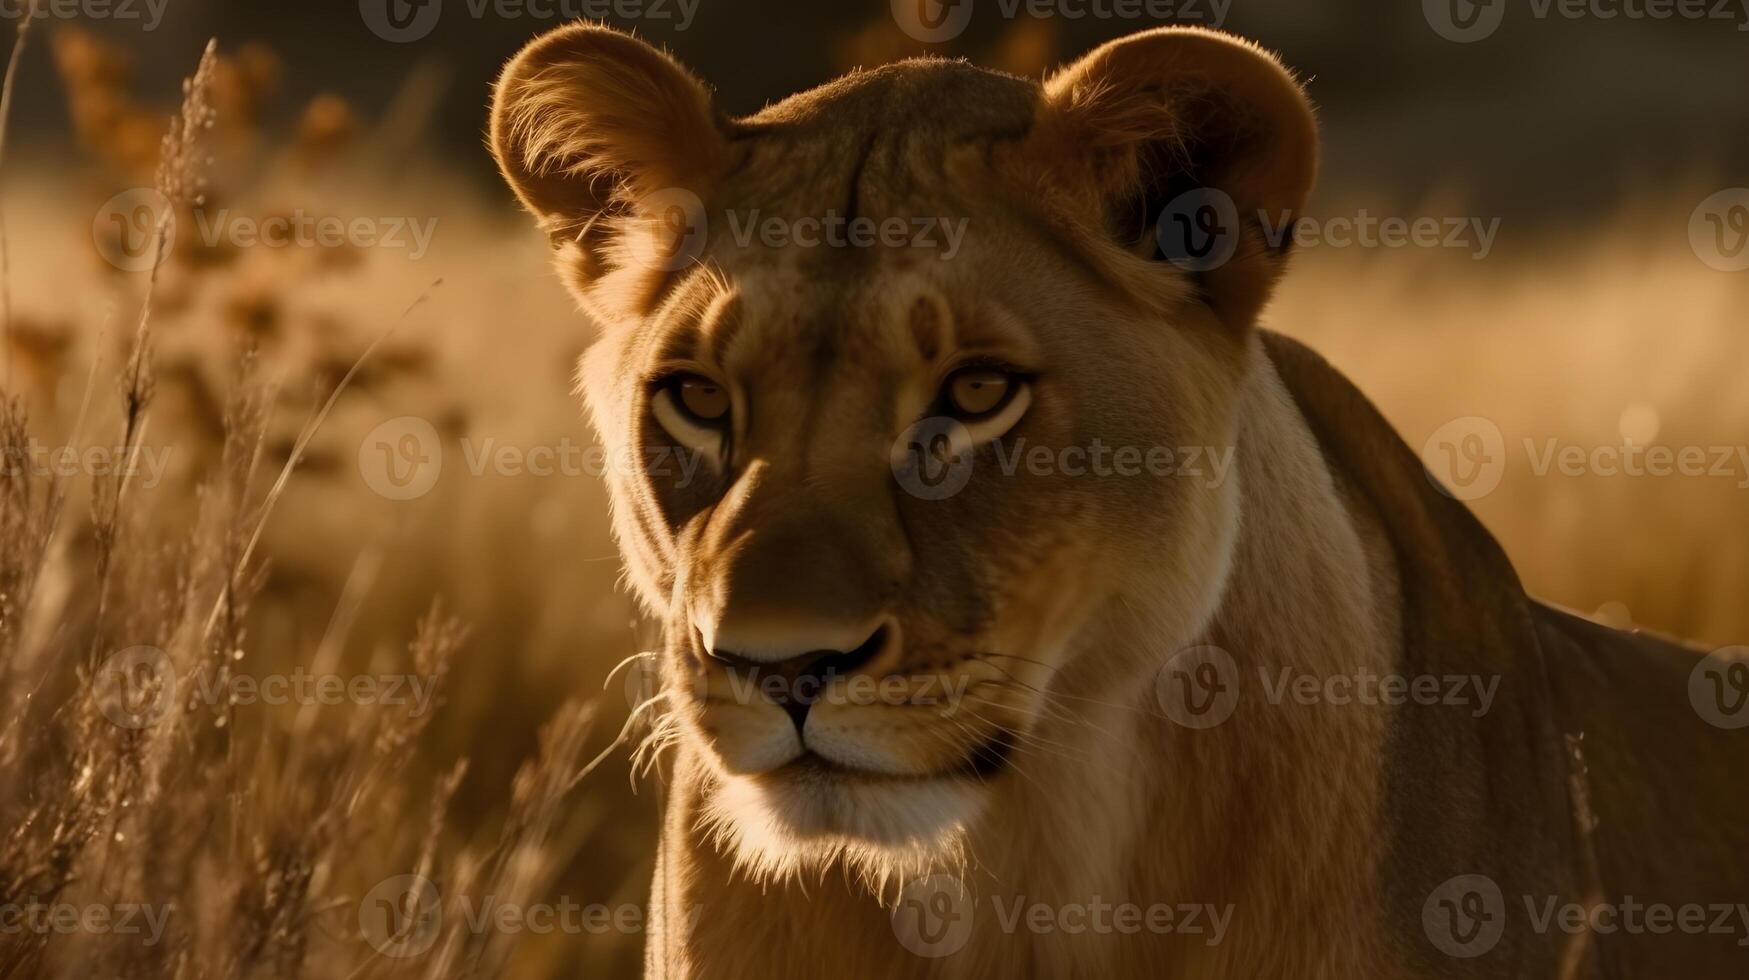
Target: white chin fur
(887,830)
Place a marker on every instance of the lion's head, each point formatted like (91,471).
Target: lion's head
(956,411)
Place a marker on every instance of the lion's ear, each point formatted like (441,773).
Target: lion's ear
(1197,146)
(590,125)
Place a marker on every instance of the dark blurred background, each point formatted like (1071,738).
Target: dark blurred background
(1549,116)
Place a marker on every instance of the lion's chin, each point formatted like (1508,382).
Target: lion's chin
(808,815)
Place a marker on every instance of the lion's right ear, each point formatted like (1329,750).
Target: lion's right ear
(1192,139)
(591,127)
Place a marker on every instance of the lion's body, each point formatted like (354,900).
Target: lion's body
(1072,820)
(1286,819)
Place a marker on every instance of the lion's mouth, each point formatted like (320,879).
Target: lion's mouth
(811,808)
(982,763)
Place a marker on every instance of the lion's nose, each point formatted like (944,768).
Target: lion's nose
(796,684)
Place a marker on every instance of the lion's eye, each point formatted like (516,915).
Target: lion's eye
(702,398)
(978,391)
(981,402)
(694,411)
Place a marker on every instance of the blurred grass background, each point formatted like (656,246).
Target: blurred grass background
(1591,320)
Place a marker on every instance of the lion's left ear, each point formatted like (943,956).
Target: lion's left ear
(1197,146)
(597,131)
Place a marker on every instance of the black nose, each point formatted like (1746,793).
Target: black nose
(796,684)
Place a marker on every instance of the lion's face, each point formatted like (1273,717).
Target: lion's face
(904,427)
(872,580)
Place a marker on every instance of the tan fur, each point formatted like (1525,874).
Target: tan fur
(1047,603)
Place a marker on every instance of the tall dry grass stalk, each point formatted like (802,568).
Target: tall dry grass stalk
(191,831)
(7,85)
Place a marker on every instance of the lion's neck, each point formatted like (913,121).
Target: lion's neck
(1269,813)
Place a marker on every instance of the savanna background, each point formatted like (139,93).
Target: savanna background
(276,518)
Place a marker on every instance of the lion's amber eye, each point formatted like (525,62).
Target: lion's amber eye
(978,391)
(702,398)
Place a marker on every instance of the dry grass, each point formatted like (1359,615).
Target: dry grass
(145,776)
(264,829)
(1589,338)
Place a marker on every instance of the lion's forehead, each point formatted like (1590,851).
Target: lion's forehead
(875,147)
(946,100)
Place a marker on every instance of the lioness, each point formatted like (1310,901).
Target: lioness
(951,690)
